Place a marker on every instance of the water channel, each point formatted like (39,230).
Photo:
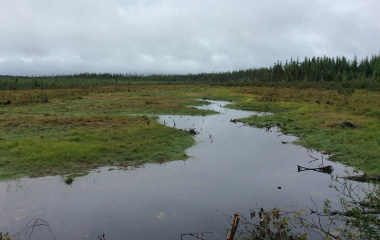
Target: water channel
(233,167)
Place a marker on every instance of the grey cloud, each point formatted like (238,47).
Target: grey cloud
(46,37)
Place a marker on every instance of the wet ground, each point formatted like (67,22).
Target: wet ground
(232,168)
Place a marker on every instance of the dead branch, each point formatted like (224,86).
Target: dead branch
(234,226)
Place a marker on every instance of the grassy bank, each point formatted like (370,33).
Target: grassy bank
(315,116)
(68,131)
(74,144)
(65,131)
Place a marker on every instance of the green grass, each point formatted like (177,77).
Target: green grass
(318,124)
(80,129)
(63,151)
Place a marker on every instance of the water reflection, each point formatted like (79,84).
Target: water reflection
(233,167)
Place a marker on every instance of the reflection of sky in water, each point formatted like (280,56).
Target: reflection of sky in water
(231,168)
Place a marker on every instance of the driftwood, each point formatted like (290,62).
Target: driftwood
(327,169)
(234,226)
(364,178)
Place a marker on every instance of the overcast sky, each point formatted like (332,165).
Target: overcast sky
(53,37)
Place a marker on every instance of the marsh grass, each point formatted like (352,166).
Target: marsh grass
(79,129)
(315,116)
(90,142)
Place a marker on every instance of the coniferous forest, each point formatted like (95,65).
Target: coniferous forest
(332,71)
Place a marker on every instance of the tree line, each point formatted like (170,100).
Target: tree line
(313,70)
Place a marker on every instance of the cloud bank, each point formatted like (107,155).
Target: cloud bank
(52,37)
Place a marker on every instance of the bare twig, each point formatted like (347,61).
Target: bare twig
(31,225)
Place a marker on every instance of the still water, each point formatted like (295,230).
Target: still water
(232,168)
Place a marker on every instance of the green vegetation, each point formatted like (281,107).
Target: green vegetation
(76,130)
(60,131)
(315,116)
(4,236)
(70,124)
(66,124)
(110,141)
(335,73)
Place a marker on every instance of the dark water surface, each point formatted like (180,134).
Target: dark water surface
(232,168)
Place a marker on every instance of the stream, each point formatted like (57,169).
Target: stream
(233,167)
